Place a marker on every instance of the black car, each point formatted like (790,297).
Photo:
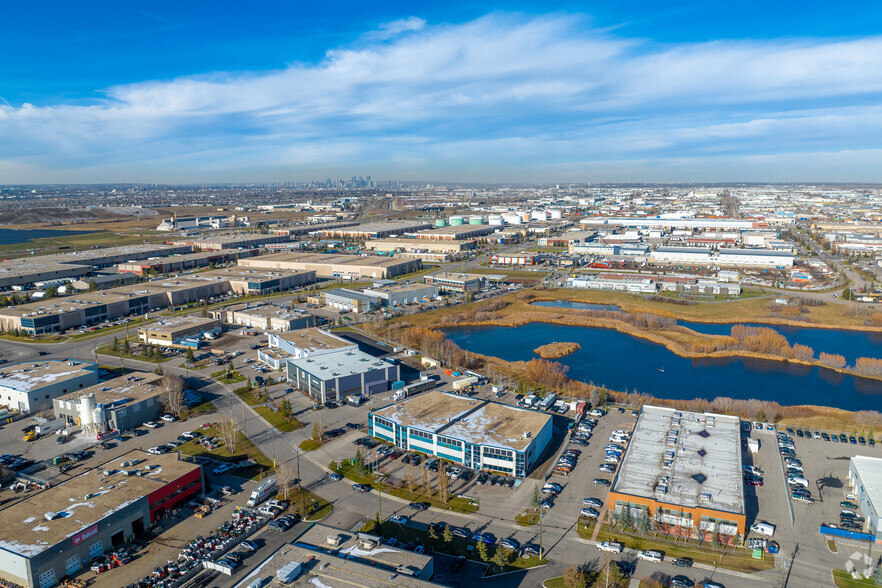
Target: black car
(437,527)
(682,582)
(626,569)
(419,505)
(482,477)
(682,562)
(799,433)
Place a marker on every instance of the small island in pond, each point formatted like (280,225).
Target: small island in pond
(555,350)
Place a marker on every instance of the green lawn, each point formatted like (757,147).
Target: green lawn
(206,407)
(74,242)
(245,449)
(528,518)
(455,504)
(739,559)
(312,444)
(107,350)
(272,417)
(844,580)
(310,505)
(225,377)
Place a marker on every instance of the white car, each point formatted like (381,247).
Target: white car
(400,519)
(168,418)
(650,555)
(156,450)
(222,468)
(189,435)
(150,425)
(611,546)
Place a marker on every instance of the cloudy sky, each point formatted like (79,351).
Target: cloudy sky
(461,91)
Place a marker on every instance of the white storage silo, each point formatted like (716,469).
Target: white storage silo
(495,220)
(555,213)
(512,219)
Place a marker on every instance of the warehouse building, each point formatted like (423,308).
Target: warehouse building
(325,265)
(476,433)
(420,245)
(57,532)
(755,258)
(24,272)
(865,477)
(375,230)
(351,301)
(306,229)
(179,332)
(456,233)
(676,223)
(455,282)
(326,556)
(102,281)
(515,259)
(401,294)
(31,386)
(267,317)
(238,241)
(683,470)
(178,263)
(615,282)
(333,376)
(682,255)
(261,282)
(120,404)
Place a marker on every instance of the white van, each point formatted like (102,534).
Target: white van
(797,481)
(763,528)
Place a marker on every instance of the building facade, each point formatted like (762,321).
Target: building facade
(476,434)
(865,477)
(31,386)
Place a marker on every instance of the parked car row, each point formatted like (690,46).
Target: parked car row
(796,481)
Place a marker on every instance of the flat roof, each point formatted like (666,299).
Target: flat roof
(345,565)
(430,411)
(687,453)
(135,386)
(33,375)
(350,294)
(171,325)
(870,471)
(456,229)
(321,258)
(266,310)
(399,288)
(242,273)
(458,276)
(696,250)
(339,363)
(380,226)
(759,252)
(84,500)
(315,339)
(499,425)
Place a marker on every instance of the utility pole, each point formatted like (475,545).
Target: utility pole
(244,426)
(380,501)
(541,516)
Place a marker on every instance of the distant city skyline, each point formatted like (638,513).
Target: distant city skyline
(280,92)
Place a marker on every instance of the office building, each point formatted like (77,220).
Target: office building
(475,433)
(350,300)
(401,294)
(326,265)
(456,282)
(266,317)
(180,331)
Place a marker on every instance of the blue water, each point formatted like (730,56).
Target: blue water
(10,236)
(622,362)
(576,305)
(850,344)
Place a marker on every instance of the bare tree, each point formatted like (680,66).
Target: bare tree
(443,483)
(228,433)
(285,476)
(173,393)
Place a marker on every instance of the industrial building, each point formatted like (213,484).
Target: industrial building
(730,257)
(178,263)
(267,317)
(350,300)
(614,282)
(683,469)
(421,245)
(310,342)
(476,433)
(120,404)
(455,282)
(515,259)
(865,477)
(682,255)
(334,376)
(325,556)
(456,233)
(401,294)
(102,281)
(676,223)
(306,229)
(31,386)
(236,241)
(375,230)
(179,332)
(56,532)
(261,282)
(326,265)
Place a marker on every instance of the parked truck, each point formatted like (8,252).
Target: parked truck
(49,427)
(354,400)
(548,402)
(414,388)
(464,384)
(266,489)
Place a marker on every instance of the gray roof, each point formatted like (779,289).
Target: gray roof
(685,459)
(870,471)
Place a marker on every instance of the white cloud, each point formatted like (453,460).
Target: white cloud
(498,93)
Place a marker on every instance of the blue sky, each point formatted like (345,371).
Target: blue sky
(455,91)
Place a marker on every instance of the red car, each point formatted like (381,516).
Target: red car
(753,482)
(395,454)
